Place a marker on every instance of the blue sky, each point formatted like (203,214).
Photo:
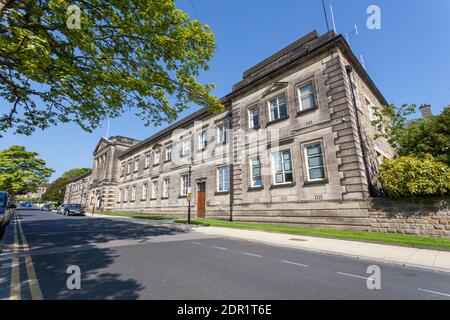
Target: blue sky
(408,59)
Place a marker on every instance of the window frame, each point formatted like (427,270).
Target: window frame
(133,194)
(322,153)
(222,137)
(156,157)
(166,185)
(185,141)
(251,124)
(269,107)
(136,165)
(274,172)
(154,191)
(182,184)
(202,140)
(218,179)
(168,153)
(252,181)
(144,194)
(313,94)
(147,160)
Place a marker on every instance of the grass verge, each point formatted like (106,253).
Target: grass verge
(375,237)
(137,216)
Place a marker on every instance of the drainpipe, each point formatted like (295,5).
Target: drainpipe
(230,173)
(349,70)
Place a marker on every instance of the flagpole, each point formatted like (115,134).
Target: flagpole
(326,15)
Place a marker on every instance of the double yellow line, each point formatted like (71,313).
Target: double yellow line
(33,284)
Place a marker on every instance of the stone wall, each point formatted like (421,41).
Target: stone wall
(426,217)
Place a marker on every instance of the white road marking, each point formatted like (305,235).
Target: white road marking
(251,254)
(220,248)
(294,263)
(435,292)
(352,275)
(197,243)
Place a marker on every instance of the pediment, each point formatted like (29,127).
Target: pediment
(274,88)
(103,143)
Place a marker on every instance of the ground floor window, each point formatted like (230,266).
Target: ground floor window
(166,188)
(314,162)
(282,164)
(119,196)
(144,191)
(154,189)
(185,184)
(133,193)
(223,176)
(256,172)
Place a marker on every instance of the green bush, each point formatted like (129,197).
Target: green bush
(415,177)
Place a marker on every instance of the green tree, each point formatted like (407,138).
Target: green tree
(123,55)
(21,171)
(419,137)
(56,190)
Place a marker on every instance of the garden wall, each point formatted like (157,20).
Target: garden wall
(427,217)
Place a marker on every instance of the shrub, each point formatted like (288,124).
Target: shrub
(413,177)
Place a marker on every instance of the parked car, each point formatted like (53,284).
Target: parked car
(46,207)
(27,204)
(60,209)
(74,210)
(6,209)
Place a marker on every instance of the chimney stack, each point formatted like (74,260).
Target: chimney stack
(425,109)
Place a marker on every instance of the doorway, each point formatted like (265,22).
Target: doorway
(201,200)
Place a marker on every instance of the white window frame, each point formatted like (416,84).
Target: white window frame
(277,99)
(147,160)
(370,108)
(128,167)
(125,195)
(144,191)
(219,182)
(305,152)
(136,165)
(166,184)
(185,186)
(222,132)
(251,123)
(313,94)
(168,153)
(119,196)
(123,169)
(133,194)
(252,181)
(157,157)
(284,172)
(202,140)
(154,194)
(186,147)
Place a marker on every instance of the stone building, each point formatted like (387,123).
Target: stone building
(295,145)
(77,189)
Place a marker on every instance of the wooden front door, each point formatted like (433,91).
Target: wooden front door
(201,200)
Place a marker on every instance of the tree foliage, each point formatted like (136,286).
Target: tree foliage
(126,55)
(22,171)
(415,177)
(419,137)
(56,190)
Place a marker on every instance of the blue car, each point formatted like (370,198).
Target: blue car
(6,207)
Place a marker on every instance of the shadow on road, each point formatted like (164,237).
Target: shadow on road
(58,242)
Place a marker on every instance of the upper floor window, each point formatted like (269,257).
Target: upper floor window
(282,164)
(129,167)
(157,158)
(169,153)
(253,117)
(136,165)
(306,97)
(278,108)
(223,175)
(166,183)
(147,160)
(202,140)
(314,162)
(370,110)
(256,172)
(122,172)
(186,147)
(222,132)
(185,185)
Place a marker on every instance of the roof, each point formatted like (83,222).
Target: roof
(81,176)
(296,52)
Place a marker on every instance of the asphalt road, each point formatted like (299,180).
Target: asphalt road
(120,259)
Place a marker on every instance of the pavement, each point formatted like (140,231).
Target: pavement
(159,260)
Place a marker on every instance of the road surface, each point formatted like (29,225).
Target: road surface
(122,259)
